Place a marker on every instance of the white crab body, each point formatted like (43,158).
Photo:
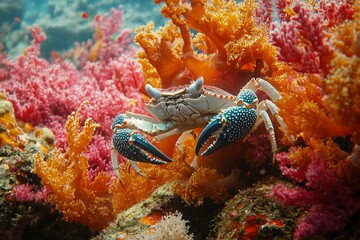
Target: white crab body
(188,110)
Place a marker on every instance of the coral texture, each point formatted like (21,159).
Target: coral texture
(329,203)
(228,49)
(65,174)
(45,93)
(171,226)
(320,112)
(312,52)
(311,55)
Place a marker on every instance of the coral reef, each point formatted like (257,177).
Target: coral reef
(228,49)
(65,174)
(307,50)
(25,211)
(329,203)
(321,113)
(45,93)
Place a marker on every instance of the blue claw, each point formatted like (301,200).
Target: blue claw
(133,146)
(230,125)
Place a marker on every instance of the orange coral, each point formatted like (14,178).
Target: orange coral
(94,203)
(336,160)
(73,193)
(304,112)
(135,187)
(342,86)
(228,49)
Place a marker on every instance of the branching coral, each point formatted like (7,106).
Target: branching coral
(302,40)
(45,93)
(227,50)
(319,108)
(77,196)
(314,104)
(342,85)
(329,202)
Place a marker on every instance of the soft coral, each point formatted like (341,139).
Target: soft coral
(329,202)
(45,93)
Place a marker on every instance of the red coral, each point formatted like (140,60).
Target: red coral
(281,12)
(329,202)
(302,40)
(263,12)
(292,172)
(336,12)
(260,152)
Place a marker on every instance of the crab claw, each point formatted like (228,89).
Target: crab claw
(133,146)
(228,126)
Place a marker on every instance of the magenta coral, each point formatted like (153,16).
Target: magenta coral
(302,40)
(328,201)
(45,93)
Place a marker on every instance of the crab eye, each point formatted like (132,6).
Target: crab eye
(153,92)
(196,87)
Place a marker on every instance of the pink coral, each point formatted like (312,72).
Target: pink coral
(302,40)
(329,202)
(108,25)
(29,193)
(45,93)
(263,12)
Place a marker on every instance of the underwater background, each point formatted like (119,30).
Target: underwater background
(68,68)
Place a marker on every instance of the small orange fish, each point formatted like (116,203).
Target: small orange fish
(152,218)
(54,55)
(85,15)
(17,19)
(97,18)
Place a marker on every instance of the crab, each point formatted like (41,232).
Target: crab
(225,118)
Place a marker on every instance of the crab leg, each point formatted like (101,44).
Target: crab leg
(265,86)
(146,124)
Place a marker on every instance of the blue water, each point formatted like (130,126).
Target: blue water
(62,21)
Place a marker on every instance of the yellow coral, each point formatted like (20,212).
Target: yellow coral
(74,194)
